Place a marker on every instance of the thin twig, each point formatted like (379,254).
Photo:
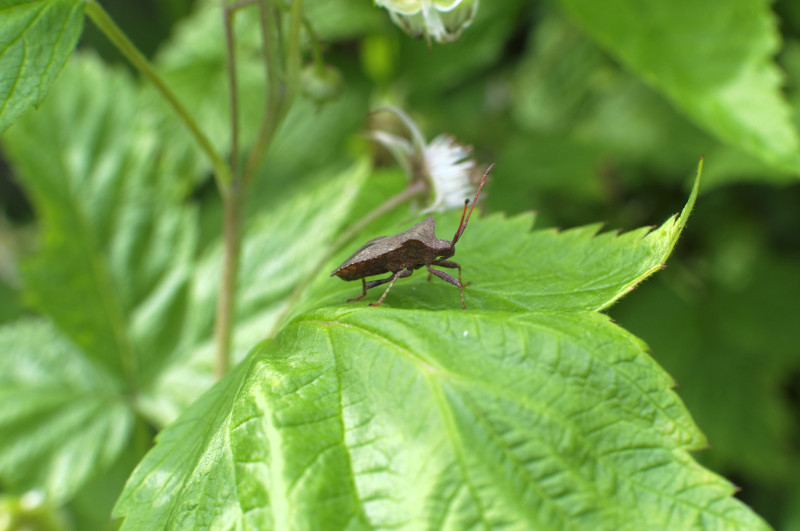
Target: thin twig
(316,49)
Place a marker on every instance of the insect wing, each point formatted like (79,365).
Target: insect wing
(361,254)
(378,251)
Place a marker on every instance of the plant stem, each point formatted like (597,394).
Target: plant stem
(230,65)
(106,24)
(232,234)
(413,190)
(275,109)
(277,101)
(316,51)
(269,20)
(232,205)
(294,56)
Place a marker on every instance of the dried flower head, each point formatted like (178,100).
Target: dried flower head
(443,163)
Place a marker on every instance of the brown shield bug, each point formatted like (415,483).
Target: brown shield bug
(402,253)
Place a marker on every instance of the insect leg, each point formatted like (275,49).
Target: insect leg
(452,265)
(364,292)
(451,279)
(370,284)
(400,274)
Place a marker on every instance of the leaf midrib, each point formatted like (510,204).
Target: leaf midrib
(101,279)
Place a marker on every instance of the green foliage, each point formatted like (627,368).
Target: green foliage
(710,58)
(124,281)
(524,272)
(35,42)
(736,358)
(116,251)
(532,409)
(751,416)
(61,422)
(355,419)
(535,413)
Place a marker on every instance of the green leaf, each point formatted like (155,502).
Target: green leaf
(36,38)
(733,365)
(113,268)
(61,420)
(204,466)
(355,418)
(115,260)
(713,59)
(118,237)
(540,413)
(512,269)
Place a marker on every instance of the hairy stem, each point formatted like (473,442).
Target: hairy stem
(413,190)
(106,24)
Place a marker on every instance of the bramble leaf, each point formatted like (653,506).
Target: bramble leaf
(361,418)
(61,419)
(36,38)
(513,269)
(118,275)
(111,273)
(117,246)
(713,59)
(732,368)
(536,414)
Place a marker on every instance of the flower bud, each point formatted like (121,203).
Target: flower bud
(321,84)
(444,20)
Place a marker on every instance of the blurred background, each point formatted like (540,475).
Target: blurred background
(578,138)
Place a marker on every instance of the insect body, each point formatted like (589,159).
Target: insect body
(402,253)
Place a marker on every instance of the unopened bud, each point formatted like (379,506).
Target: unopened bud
(443,20)
(321,84)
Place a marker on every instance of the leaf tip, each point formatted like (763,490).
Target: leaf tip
(693,194)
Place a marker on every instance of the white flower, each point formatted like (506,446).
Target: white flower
(450,171)
(443,163)
(444,20)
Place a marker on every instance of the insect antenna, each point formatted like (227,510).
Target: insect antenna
(463,223)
